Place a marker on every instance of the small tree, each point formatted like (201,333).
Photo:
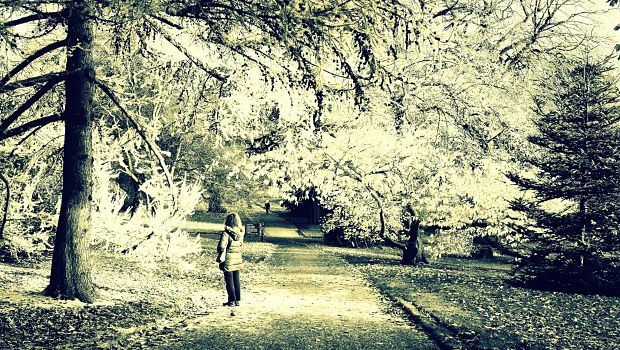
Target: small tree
(573,216)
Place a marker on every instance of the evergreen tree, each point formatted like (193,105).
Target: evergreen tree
(575,211)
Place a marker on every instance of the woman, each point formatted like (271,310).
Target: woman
(229,257)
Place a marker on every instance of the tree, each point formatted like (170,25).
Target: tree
(441,123)
(70,276)
(5,208)
(617,27)
(288,41)
(573,214)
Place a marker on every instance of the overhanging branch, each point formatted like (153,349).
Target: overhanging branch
(151,145)
(23,140)
(31,58)
(473,224)
(383,232)
(185,52)
(24,107)
(30,18)
(446,10)
(376,196)
(34,81)
(30,125)
(168,22)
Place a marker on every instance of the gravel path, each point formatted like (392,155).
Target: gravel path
(308,299)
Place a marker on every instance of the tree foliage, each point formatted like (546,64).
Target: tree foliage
(288,42)
(300,83)
(439,133)
(573,214)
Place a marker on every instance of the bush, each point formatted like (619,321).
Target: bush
(33,208)
(153,235)
(15,247)
(342,229)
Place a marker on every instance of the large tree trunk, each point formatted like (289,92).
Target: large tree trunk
(382,232)
(70,277)
(413,252)
(411,247)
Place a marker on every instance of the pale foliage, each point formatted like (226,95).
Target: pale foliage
(33,173)
(463,109)
(152,235)
(448,158)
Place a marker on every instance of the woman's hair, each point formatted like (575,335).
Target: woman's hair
(233,220)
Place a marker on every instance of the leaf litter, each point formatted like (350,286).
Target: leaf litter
(140,304)
(473,299)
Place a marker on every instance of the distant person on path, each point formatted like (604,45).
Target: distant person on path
(229,257)
(267,207)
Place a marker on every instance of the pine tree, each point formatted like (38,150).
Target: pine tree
(575,211)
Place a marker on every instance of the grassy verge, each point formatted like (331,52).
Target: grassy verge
(472,302)
(311,231)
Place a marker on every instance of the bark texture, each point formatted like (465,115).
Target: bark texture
(7,201)
(413,252)
(70,276)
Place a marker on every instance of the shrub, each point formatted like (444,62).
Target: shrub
(151,234)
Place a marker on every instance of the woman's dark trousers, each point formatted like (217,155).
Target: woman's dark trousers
(232,285)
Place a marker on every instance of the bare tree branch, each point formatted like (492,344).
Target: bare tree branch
(376,196)
(31,58)
(38,123)
(23,139)
(24,107)
(185,52)
(168,22)
(135,246)
(30,18)
(446,10)
(383,232)
(152,146)
(34,81)
(219,41)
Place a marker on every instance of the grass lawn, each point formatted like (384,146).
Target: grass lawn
(202,221)
(472,300)
(311,231)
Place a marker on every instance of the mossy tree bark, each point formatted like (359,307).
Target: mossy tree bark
(70,276)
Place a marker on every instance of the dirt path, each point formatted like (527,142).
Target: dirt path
(307,299)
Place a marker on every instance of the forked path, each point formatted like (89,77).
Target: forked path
(307,299)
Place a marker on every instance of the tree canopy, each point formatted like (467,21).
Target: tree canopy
(287,41)
(378,105)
